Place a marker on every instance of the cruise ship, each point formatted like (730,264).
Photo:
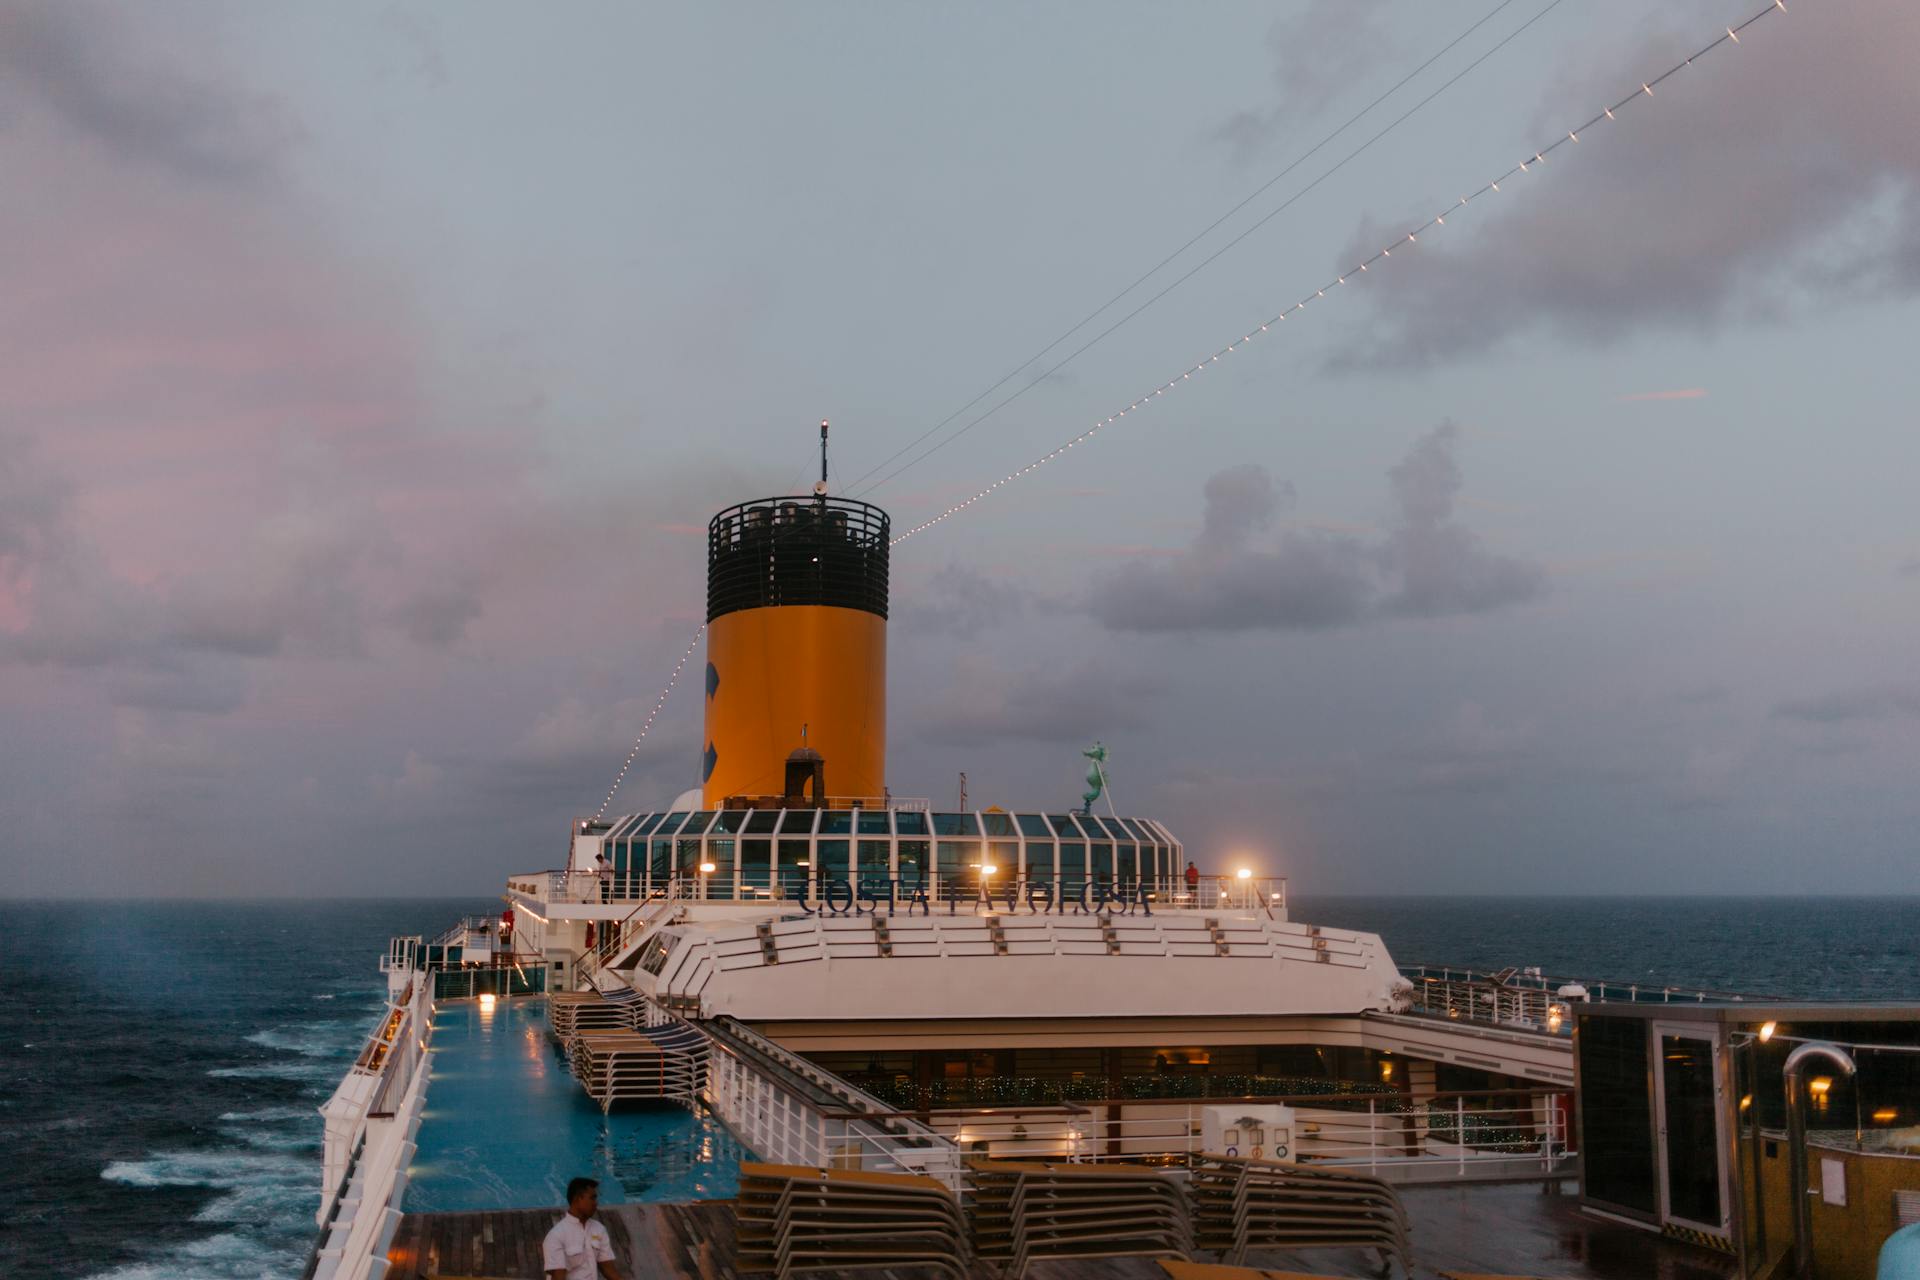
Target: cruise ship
(792,1007)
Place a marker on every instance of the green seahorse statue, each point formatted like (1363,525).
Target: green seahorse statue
(1096,776)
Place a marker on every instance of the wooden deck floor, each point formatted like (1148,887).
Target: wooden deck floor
(1524,1229)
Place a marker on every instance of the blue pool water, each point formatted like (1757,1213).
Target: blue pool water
(506,1126)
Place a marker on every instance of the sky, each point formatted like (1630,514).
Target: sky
(368,373)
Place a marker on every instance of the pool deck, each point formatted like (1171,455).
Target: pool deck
(1517,1229)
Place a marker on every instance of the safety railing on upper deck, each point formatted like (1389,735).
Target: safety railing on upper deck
(1531,999)
(995,889)
(1491,1133)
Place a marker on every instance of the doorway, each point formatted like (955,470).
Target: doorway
(1688,1084)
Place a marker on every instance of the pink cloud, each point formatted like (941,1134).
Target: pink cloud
(1684,393)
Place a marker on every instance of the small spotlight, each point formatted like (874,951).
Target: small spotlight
(707,868)
(1767,1030)
(1244,873)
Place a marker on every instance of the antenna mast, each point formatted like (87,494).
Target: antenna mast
(820,490)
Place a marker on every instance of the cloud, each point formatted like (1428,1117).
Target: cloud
(1317,53)
(959,602)
(1068,701)
(438,614)
(1774,177)
(1910,567)
(81,64)
(1871,702)
(1426,565)
(1684,393)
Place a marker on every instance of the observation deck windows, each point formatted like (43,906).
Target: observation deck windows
(660,865)
(1039,868)
(646,827)
(832,860)
(910,822)
(729,821)
(955,824)
(1073,862)
(698,823)
(670,824)
(873,822)
(997,824)
(756,864)
(836,822)
(1126,867)
(1063,826)
(761,822)
(1033,826)
(876,857)
(913,861)
(796,866)
(958,859)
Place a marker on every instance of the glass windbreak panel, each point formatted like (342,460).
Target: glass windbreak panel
(1692,1137)
(1033,826)
(691,855)
(955,824)
(730,820)
(720,854)
(1126,867)
(1100,862)
(1095,824)
(910,822)
(873,822)
(1073,863)
(836,822)
(756,864)
(1138,830)
(913,861)
(958,860)
(1063,825)
(648,823)
(1040,861)
(832,856)
(697,825)
(670,824)
(1004,858)
(796,866)
(997,824)
(874,855)
(660,862)
(761,822)
(1616,1112)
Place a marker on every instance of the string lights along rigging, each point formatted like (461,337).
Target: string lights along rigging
(1730,36)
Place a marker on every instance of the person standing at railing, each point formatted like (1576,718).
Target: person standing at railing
(605,870)
(1193,881)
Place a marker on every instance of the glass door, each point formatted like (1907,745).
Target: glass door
(1687,1094)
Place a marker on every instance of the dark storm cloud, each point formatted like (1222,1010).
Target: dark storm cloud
(1427,565)
(1063,701)
(78,62)
(1876,702)
(1644,222)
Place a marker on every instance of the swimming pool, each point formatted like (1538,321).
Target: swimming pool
(506,1125)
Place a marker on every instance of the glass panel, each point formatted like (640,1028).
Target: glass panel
(910,822)
(1040,861)
(997,824)
(698,823)
(1063,825)
(957,859)
(660,865)
(955,824)
(693,853)
(873,822)
(756,864)
(1139,832)
(760,822)
(836,822)
(1100,862)
(1095,824)
(833,860)
(873,860)
(670,824)
(1033,826)
(720,854)
(796,866)
(1005,858)
(913,860)
(1073,864)
(1693,1142)
(1126,864)
(648,823)
(730,820)
(1616,1112)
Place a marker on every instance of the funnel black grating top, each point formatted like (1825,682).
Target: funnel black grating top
(780,551)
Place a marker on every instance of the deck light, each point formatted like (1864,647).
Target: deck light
(1766,1031)
(1886,1115)
(486,1002)
(707,868)
(1819,1085)
(1245,873)
(987,868)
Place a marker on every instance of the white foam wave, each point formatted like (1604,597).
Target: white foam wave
(271,1115)
(278,1071)
(312,1039)
(255,1186)
(227,1256)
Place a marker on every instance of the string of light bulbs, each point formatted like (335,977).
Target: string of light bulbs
(1731,35)
(1571,137)
(647,724)
(860,480)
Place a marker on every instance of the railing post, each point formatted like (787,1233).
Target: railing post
(1373,1140)
(1460,1131)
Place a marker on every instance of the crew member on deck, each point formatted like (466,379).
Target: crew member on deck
(1193,878)
(578,1248)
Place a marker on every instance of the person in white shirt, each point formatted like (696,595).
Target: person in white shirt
(578,1247)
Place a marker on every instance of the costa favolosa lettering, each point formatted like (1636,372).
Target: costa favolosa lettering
(838,897)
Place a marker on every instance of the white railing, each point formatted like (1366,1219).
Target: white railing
(1506,1133)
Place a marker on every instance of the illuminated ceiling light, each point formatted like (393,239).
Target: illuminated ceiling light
(1766,1031)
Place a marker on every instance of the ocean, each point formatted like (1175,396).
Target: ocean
(161,1062)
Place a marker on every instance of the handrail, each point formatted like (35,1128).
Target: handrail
(333,1208)
(1634,992)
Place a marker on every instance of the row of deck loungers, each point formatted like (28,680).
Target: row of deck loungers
(1026,1212)
(571,1011)
(1241,1205)
(618,1058)
(792,1218)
